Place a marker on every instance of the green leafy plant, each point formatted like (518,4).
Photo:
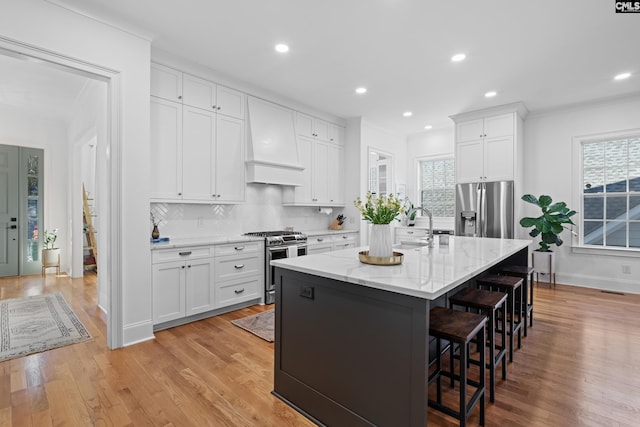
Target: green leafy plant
(550,224)
(380,210)
(50,238)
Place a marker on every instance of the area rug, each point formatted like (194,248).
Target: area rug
(261,324)
(37,323)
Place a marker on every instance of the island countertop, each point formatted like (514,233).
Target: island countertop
(425,272)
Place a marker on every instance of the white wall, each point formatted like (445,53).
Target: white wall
(380,139)
(88,126)
(548,170)
(436,143)
(59,31)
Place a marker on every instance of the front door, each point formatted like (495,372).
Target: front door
(9,244)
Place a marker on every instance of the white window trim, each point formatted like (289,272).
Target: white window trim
(577,245)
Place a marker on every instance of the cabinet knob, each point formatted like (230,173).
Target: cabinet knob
(219,108)
(189,266)
(214,107)
(183,266)
(179,194)
(179,96)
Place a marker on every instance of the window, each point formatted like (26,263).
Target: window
(437,186)
(610,192)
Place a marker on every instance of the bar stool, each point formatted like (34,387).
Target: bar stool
(488,303)
(512,286)
(458,327)
(526,274)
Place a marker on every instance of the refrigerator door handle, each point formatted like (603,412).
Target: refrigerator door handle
(483,211)
(479,210)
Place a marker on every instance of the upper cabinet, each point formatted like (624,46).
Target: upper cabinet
(197,139)
(488,144)
(315,128)
(174,85)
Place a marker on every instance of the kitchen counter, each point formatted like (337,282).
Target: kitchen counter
(425,272)
(204,241)
(352,340)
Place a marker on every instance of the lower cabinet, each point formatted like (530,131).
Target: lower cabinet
(331,242)
(192,281)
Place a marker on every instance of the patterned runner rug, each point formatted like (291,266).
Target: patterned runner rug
(261,324)
(38,323)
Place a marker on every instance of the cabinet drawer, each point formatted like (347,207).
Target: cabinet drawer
(415,233)
(238,248)
(236,291)
(343,245)
(319,248)
(232,267)
(183,254)
(319,240)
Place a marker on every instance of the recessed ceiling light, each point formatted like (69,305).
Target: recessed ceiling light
(458,57)
(490,94)
(361,90)
(407,114)
(282,48)
(427,127)
(622,76)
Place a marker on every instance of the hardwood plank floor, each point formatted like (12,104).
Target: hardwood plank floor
(579,366)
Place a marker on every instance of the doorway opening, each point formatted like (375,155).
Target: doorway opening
(63,201)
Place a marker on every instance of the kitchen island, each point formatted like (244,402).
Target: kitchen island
(352,342)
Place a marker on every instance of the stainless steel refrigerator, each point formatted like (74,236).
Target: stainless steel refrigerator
(485,209)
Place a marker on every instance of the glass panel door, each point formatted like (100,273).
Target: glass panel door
(32,195)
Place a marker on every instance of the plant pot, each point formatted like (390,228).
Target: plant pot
(544,263)
(51,257)
(380,241)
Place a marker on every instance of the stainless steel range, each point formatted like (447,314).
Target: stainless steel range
(279,245)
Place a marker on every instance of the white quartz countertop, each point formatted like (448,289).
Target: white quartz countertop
(204,241)
(425,272)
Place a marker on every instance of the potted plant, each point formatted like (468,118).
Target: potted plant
(548,226)
(380,211)
(50,254)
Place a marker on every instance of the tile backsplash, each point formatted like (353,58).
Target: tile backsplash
(261,211)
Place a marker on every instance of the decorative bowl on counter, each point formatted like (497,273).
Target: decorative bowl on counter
(396,259)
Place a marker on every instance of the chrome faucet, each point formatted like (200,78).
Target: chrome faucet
(428,212)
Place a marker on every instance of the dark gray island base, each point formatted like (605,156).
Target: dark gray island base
(347,354)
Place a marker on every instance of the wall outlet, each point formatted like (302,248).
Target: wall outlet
(626,269)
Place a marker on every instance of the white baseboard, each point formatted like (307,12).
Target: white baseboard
(137,333)
(604,283)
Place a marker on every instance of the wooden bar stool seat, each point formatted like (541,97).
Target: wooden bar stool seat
(526,274)
(488,303)
(458,327)
(512,286)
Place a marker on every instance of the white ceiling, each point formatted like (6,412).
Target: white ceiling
(545,53)
(37,88)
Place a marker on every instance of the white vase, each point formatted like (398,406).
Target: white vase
(380,241)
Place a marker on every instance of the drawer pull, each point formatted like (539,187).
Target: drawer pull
(238,248)
(239,291)
(320,239)
(345,237)
(409,232)
(185,253)
(239,266)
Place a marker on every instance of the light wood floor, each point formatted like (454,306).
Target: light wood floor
(579,366)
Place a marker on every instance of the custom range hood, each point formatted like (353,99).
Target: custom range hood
(272,152)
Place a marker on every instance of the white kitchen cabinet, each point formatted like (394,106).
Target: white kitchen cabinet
(336,134)
(486,148)
(330,242)
(182,283)
(166,149)
(210,96)
(239,273)
(166,83)
(197,155)
(404,234)
(322,177)
(312,127)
